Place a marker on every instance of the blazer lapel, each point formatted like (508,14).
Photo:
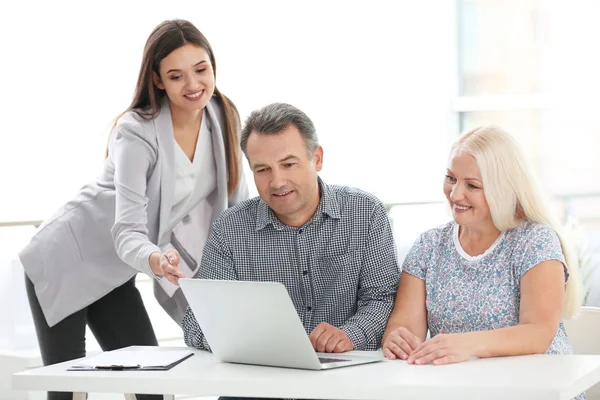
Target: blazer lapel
(218,151)
(166,141)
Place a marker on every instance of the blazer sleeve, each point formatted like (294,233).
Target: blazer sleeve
(134,157)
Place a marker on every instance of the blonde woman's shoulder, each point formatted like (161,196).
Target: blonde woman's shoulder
(532,232)
(440,233)
(528,228)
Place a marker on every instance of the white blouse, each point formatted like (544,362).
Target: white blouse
(190,219)
(193,180)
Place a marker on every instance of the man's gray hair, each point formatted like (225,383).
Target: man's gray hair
(276,117)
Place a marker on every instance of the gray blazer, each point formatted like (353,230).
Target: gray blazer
(105,235)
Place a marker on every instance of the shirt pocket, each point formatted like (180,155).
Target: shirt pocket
(341,268)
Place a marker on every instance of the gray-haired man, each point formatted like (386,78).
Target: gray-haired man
(331,246)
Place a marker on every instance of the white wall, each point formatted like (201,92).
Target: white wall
(377,78)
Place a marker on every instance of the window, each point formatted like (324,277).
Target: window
(525,65)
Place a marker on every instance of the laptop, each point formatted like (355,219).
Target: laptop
(256,323)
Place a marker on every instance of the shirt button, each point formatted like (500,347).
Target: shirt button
(304,272)
(309,308)
(299,231)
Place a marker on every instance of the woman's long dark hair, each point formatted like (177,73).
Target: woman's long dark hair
(166,37)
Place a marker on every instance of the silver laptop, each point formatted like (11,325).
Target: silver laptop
(256,323)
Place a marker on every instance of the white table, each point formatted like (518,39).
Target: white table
(544,377)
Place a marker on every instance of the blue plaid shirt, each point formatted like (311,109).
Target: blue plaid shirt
(340,267)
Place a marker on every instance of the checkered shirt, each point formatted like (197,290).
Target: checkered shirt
(340,267)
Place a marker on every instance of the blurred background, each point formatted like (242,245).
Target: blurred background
(389,86)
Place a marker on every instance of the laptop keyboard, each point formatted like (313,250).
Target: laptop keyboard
(324,360)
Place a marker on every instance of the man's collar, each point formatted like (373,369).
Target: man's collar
(327,205)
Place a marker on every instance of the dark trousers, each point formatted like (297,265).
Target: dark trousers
(117,320)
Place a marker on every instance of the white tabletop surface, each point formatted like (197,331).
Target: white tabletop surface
(526,377)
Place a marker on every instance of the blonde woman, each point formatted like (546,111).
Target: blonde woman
(495,281)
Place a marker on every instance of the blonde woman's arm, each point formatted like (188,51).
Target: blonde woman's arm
(407,326)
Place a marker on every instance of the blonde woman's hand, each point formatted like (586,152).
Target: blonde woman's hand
(400,343)
(166,265)
(444,349)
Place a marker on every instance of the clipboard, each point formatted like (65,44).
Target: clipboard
(133,360)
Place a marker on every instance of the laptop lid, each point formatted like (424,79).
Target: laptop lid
(257,323)
(250,322)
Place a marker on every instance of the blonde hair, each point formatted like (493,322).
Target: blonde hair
(513,195)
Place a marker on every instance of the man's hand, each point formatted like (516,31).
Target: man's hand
(167,265)
(329,339)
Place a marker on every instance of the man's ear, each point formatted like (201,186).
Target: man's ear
(157,81)
(318,158)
